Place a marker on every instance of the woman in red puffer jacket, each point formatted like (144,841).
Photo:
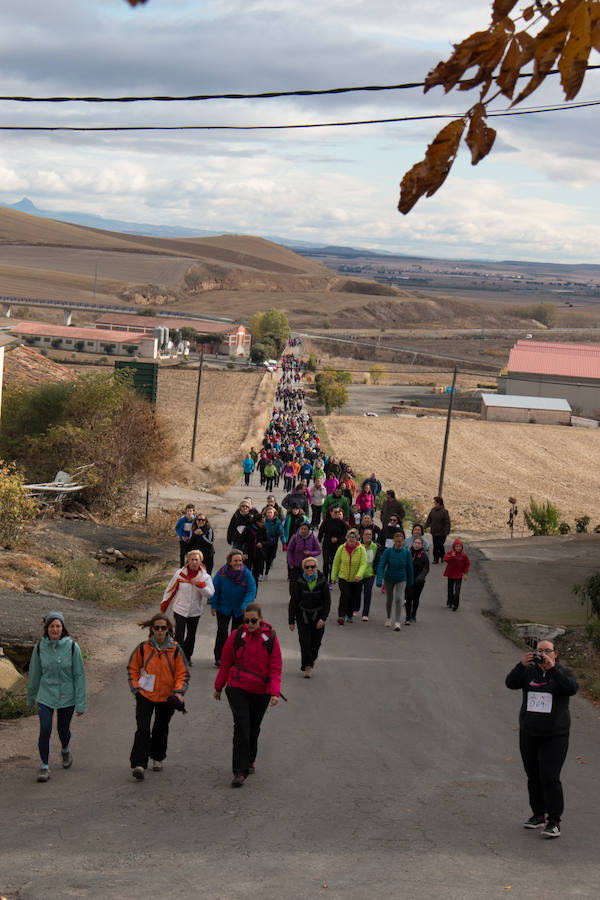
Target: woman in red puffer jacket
(250,672)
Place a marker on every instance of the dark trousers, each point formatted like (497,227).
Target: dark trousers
(316,516)
(185,633)
(248,711)
(223,631)
(184,547)
(412,595)
(454,586)
(310,638)
(257,567)
(288,483)
(438,547)
(328,554)
(247,477)
(366,586)
(146,744)
(349,598)
(270,554)
(543,758)
(269,482)
(63,726)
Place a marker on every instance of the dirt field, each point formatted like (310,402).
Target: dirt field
(233,412)
(487,462)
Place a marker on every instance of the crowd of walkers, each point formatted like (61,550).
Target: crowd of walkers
(326,526)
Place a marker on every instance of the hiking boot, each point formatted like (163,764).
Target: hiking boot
(308,672)
(138,772)
(238,780)
(535,821)
(552,829)
(156,765)
(67,759)
(43,774)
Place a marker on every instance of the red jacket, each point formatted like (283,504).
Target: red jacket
(250,666)
(457,565)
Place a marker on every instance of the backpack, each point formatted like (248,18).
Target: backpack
(238,642)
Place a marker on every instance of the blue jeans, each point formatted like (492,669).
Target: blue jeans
(63,723)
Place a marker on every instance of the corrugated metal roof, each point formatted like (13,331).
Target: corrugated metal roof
(515,401)
(43,329)
(549,358)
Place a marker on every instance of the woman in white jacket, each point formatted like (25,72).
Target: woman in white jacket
(187,590)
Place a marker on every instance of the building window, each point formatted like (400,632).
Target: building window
(90,343)
(68,341)
(47,340)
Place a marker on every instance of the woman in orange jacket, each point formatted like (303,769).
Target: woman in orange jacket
(158,676)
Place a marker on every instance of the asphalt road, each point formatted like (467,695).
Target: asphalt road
(380,398)
(394,772)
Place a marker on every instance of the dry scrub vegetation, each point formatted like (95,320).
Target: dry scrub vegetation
(487,462)
(234,410)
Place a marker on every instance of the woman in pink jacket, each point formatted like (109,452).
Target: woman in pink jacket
(250,672)
(365,500)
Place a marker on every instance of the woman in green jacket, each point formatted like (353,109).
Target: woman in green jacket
(57,682)
(350,566)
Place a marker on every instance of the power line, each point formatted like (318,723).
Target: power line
(305,125)
(265,95)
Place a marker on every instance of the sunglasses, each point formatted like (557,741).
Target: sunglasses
(251,621)
(159,628)
(310,567)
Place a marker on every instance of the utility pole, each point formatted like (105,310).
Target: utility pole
(197,403)
(447,435)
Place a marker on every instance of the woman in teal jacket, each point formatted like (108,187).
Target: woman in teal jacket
(57,682)
(395,570)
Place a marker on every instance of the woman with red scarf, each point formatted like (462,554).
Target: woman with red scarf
(187,590)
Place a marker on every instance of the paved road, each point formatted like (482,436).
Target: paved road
(380,398)
(394,772)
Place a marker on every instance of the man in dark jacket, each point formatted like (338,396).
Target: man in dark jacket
(392,507)
(331,536)
(438,521)
(297,498)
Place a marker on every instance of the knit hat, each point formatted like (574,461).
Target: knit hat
(49,617)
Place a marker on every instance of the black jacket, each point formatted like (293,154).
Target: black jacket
(300,501)
(205,542)
(236,526)
(559,683)
(332,528)
(309,605)
(420,564)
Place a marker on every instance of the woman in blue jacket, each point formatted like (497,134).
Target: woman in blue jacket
(235,588)
(395,571)
(57,682)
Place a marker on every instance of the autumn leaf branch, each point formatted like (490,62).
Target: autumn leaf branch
(568,30)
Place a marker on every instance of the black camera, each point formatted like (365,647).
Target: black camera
(537,657)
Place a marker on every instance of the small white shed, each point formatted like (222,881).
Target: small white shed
(515,408)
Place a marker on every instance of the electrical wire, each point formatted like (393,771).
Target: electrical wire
(114,128)
(266,95)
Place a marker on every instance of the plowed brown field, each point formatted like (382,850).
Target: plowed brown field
(487,462)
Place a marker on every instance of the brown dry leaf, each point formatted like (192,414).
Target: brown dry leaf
(480,138)
(548,44)
(574,58)
(428,175)
(594,9)
(528,13)
(479,49)
(135,2)
(501,8)
(510,68)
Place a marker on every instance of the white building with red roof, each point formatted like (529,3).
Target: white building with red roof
(236,337)
(556,370)
(88,340)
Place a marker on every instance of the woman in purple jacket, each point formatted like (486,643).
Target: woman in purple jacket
(302,544)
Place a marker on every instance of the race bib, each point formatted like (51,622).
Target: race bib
(539,702)
(146,682)
(240,528)
(389,542)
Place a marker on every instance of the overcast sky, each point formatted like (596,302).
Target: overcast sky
(536,197)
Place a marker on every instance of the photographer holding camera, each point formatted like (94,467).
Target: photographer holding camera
(544,723)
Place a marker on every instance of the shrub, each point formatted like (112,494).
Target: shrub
(564,527)
(17,509)
(377,371)
(581,524)
(55,343)
(79,346)
(542,518)
(83,579)
(13,706)
(589,593)
(129,348)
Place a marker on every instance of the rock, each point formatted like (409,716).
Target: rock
(10,679)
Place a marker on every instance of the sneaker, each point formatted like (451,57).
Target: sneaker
(535,822)
(308,672)
(397,626)
(43,774)
(138,772)
(340,620)
(156,765)
(388,623)
(266,576)
(407,621)
(355,613)
(238,780)
(552,829)
(251,769)
(67,759)
(365,618)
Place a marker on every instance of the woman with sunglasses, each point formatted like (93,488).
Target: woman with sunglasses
(310,602)
(203,539)
(159,677)
(250,672)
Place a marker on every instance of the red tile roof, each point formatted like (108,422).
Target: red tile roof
(549,358)
(43,329)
